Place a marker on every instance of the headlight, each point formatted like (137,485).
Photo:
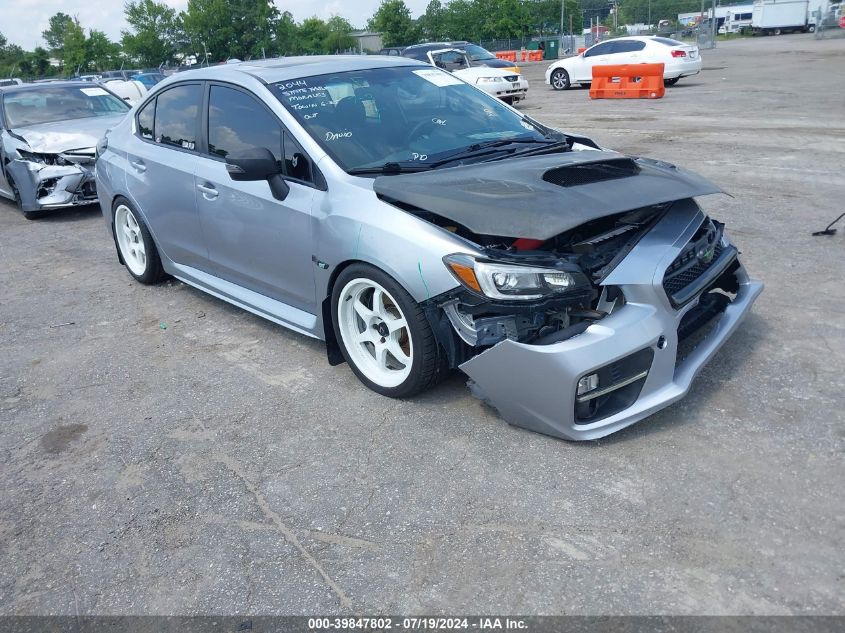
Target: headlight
(488,80)
(507,281)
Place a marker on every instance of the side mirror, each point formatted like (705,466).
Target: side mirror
(258,163)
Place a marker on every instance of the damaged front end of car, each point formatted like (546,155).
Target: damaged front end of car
(53,180)
(579,332)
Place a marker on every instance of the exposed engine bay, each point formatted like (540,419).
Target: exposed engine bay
(588,252)
(514,216)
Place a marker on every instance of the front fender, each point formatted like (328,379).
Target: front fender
(352,224)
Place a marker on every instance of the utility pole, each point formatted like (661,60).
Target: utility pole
(713,27)
(561,19)
(649,15)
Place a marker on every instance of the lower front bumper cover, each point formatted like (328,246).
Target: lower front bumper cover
(43,186)
(534,386)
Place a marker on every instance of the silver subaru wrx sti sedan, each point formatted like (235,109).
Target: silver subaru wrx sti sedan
(417,224)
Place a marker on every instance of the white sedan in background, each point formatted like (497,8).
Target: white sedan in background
(506,84)
(679,59)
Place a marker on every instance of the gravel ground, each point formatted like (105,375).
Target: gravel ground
(164,453)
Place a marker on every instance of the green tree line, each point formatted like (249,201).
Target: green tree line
(217,30)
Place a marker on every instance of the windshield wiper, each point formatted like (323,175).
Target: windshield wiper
(388,168)
(481,149)
(545,149)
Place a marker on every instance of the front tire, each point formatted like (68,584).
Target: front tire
(671,82)
(137,248)
(384,334)
(560,79)
(29,215)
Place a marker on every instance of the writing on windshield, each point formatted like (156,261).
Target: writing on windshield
(401,115)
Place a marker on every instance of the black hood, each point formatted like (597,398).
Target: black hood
(539,197)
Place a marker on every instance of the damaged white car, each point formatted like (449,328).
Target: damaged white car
(48,137)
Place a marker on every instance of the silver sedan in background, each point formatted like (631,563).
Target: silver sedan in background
(48,135)
(417,225)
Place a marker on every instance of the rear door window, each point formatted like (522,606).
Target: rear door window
(177,116)
(605,48)
(628,46)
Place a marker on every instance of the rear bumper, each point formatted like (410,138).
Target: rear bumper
(535,386)
(682,69)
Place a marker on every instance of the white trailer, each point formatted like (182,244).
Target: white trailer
(780,16)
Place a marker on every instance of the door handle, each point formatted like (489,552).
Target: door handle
(208,191)
(138,165)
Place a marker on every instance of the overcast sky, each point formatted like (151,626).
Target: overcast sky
(22,21)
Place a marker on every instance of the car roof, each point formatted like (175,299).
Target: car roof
(45,86)
(451,44)
(639,38)
(287,68)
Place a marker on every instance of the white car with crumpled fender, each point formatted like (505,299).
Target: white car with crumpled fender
(678,59)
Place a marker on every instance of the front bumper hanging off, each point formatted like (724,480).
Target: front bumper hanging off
(634,350)
(43,186)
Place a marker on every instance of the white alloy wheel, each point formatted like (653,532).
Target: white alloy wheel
(130,240)
(375,332)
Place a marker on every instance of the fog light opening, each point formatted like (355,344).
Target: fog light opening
(588,383)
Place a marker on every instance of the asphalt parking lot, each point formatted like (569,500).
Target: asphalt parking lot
(164,453)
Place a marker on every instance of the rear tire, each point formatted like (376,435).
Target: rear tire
(135,244)
(384,334)
(560,79)
(671,82)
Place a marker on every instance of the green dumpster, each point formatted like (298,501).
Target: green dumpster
(551,50)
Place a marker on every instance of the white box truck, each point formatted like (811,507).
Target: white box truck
(773,17)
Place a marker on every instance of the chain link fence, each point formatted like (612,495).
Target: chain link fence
(568,43)
(830,23)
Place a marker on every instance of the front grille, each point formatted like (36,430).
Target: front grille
(677,282)
(512,78)
(574,175)
(704,257)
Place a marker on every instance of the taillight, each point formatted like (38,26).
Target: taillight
(677,53)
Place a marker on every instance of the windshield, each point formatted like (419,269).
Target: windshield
(410,115)
(476,53)
(45,105)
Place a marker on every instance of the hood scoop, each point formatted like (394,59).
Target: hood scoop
(538,197)
(588,173)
